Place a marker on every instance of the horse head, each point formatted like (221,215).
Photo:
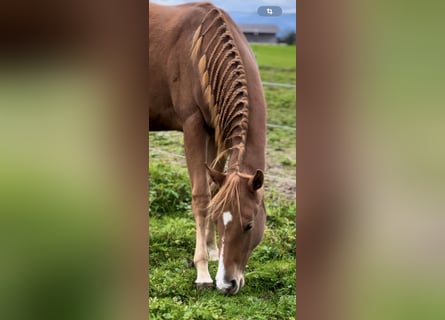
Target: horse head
(239,212)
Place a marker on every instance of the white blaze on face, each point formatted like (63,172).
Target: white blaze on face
(227,217)
(220,283)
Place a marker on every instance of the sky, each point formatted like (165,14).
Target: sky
(242,6)
(245,11)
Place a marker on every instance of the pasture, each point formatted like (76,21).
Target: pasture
(269,292)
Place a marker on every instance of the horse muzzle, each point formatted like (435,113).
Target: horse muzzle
(230,287)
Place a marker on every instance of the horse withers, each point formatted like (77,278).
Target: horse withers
(205,82)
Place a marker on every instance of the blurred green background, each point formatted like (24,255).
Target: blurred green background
(59,211)
(398,225)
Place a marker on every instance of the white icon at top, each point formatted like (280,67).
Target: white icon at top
(269,11)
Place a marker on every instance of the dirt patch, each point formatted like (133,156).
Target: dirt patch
(167,147)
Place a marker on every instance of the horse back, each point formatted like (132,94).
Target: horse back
(174,90)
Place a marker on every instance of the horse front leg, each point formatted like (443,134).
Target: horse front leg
(212,248)
(195,140)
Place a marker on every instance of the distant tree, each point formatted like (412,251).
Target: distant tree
(290,38)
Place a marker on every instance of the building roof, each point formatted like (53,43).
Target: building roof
(259,28)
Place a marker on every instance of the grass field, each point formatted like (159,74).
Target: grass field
(269,292)
(275,56)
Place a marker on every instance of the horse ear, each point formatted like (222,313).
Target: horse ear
(217,177)
(257,180)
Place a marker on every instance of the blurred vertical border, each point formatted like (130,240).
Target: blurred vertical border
(322,70)
(73,160)
(370,160)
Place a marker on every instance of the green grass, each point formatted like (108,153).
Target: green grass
(269,292)
(270,275)
(279,56)
(277,63)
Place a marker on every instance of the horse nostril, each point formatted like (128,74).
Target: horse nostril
(233,282)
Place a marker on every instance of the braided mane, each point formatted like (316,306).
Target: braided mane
(223,83)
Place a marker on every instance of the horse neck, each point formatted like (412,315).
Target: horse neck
(254,149)
(232,89)
(250,156)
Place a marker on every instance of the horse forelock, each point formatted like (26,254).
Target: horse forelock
(228,195)
(223,83)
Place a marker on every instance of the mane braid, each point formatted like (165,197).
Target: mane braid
(223,84)
(218,68)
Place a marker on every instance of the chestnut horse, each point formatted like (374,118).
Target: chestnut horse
(205,82)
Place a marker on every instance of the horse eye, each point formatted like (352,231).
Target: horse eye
(248,226)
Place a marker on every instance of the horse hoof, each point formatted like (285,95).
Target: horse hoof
(205,285)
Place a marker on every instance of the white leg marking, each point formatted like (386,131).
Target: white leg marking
(201,258)
(212,249)
(213,253)
(203,274)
